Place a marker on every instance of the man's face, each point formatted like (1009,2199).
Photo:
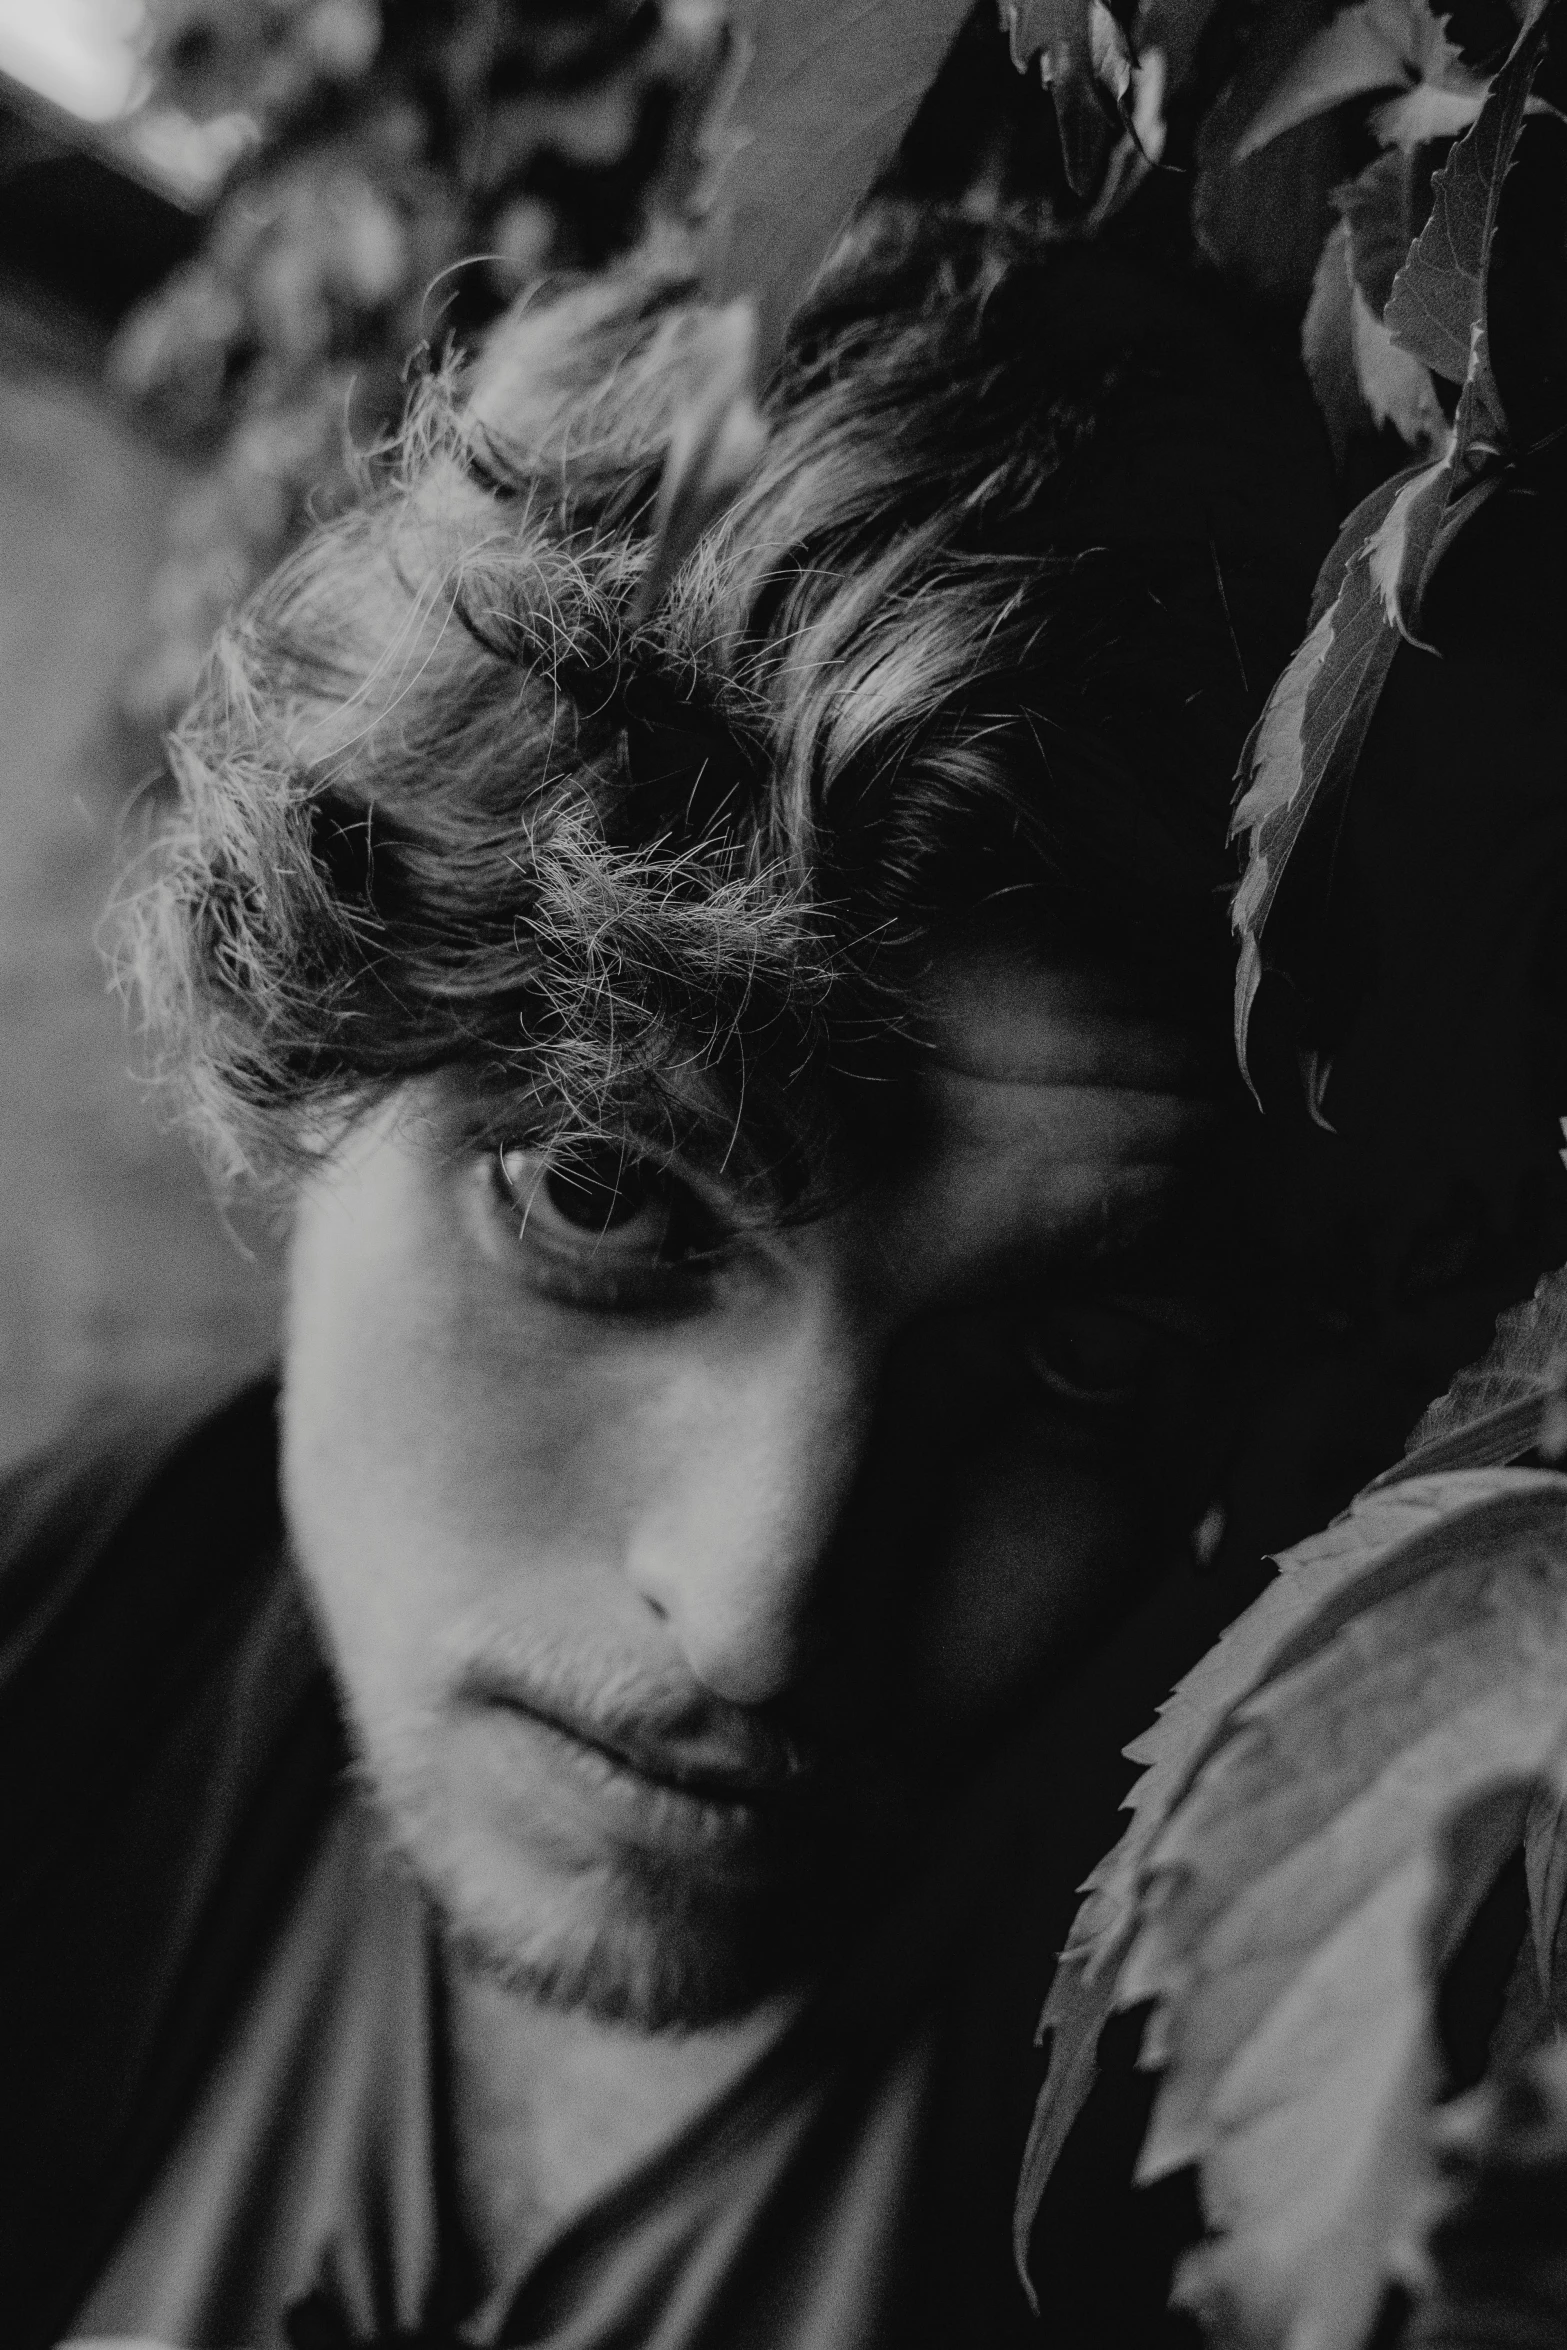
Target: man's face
(674,1570)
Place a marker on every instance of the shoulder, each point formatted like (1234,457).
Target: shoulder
(129,1485)
(143,1570)
(169,1744)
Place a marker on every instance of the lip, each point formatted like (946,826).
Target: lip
(665,1791)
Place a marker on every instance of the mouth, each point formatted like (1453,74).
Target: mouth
(699,1786)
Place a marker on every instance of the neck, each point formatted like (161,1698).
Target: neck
(552,2106)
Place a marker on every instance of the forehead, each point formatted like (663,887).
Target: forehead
(1061,1118)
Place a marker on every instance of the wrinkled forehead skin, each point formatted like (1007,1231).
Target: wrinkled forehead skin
(1064,1112)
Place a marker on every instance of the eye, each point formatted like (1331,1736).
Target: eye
(1094,1357)
(603,1224)
(602,1194)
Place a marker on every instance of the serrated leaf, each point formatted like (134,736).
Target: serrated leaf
(1279,763)
(822,94)
(1397,389)
(1493,1409)
(1301,759)
(1375,45)
(1359,375)
(1307,744)
(1320,2172)
(1329,1796)
(1398,549)
(1192,1723)
(1289,1899)
(1437,308)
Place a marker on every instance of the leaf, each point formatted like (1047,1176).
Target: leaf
(1545,1872)
(1350,57)
(1493,1410)
(1055,32)
(1397,389)
(1377,210)
(1360,377)
(1375,45)
(1290,1898)
(1080,50)
(1329,1796)
(1327,346)
(1305,748)
(1426,112)
(1437,308)
(1398,549)
(1192,1722)
(1301,760)
(1174,27)
(1315,2157)
(821,95)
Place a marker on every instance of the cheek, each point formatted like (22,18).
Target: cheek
(443,1456)
(1040,1535)
(1004,1524)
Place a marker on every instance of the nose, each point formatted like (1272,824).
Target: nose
(749,1456)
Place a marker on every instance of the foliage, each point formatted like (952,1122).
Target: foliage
(1332,1793)
(820,98)
(1303,757)
(1513,1401)
(1328,1799)
(1087,1984)
(1375,45)
(408,171)
(1359,373)
(821,94)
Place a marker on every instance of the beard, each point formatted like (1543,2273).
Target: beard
(637,1944)
(662,1937)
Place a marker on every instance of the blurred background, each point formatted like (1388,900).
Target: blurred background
(226,229)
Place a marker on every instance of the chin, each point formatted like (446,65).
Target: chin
(623,1952)
(628,1936)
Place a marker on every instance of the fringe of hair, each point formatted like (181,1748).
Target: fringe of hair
(439,803)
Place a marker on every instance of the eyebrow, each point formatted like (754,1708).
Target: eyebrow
(1115,1119)
(1065,1026)
(1131,1053)
(1159,1262)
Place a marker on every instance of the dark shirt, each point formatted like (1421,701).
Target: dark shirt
(223,2116)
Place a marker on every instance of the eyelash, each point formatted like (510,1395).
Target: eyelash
(1088,1393)
(583,1264)
(580,1265)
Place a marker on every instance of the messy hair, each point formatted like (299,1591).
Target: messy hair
(981,639)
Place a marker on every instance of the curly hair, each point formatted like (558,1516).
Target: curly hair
(981,639)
